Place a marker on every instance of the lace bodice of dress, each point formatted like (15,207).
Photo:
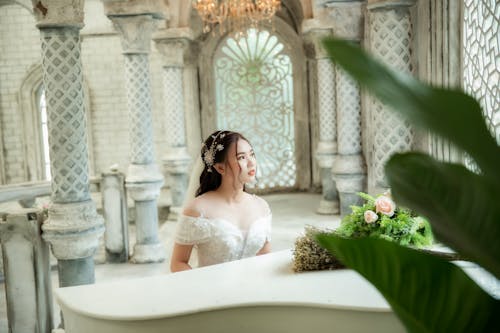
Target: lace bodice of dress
(218,240)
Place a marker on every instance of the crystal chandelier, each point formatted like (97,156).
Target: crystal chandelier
(234,15)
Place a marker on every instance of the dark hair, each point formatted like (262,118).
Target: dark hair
(211,180)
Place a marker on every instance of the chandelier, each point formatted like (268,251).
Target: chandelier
(235,15)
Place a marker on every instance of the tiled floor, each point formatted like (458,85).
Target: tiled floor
(291,212)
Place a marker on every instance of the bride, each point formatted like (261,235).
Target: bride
(223,222)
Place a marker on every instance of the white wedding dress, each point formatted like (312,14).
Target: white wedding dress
(218,240)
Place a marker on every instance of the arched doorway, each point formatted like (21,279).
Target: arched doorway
(254,95)
(257,85)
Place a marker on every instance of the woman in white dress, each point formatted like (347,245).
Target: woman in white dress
(223,222)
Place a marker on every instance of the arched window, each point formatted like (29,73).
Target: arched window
(254,95)
(481,52)
(44,131)
(481,68)
(32,106)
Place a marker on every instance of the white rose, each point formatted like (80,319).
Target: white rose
(370,216)
(385,206)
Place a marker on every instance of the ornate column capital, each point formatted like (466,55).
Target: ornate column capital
(343,19)
(58,13)
(377,4)
(135,32)
(176,45)
(313,42)
(158,9)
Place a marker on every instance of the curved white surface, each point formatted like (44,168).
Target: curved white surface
(260,293)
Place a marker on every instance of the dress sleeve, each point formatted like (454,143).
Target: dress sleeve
(192,230)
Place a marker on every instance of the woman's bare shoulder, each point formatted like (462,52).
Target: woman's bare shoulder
(198,205)
(262,205)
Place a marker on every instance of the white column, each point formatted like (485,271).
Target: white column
(327,145)
(322,82)
(144,179)
(390,40)
(173,44)
(349,166)
(73,226)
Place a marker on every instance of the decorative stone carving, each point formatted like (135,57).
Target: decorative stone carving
(390,40)
(58,13)
(159,9)
(345,19)
(67,124)
(135,32)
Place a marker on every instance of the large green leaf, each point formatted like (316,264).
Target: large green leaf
(427,293)
(450,114)
(461,206)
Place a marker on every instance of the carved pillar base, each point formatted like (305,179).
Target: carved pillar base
(143,184)
(73,230)
(176,163)
(349,174)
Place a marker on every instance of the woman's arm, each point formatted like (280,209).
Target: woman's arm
(180,258)
(265,249)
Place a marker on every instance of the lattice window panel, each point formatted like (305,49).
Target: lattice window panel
(348,115)
(481,60)
(174,104)
(391,33)
(326,100)
(139,103)
(62,76)
(254,96)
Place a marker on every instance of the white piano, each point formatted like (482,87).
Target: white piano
(260,294)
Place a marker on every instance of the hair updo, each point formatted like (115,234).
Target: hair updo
(214,150)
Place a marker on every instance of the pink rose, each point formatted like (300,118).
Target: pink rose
(385,206)
(370,216)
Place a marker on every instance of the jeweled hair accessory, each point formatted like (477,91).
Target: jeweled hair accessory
(209,153)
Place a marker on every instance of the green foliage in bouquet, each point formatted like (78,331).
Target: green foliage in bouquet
(428,293)
(398,224)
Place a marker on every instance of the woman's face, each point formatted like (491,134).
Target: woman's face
(243,162)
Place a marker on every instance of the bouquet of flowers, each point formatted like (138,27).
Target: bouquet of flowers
(380,217)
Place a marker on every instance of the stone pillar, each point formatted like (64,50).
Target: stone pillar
(28,286)
(390,40)
(173,44)
(340,128)
(144,179)
(349,166)
(327,145)
(73,226)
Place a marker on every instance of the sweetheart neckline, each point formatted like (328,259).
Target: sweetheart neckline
(229,222)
